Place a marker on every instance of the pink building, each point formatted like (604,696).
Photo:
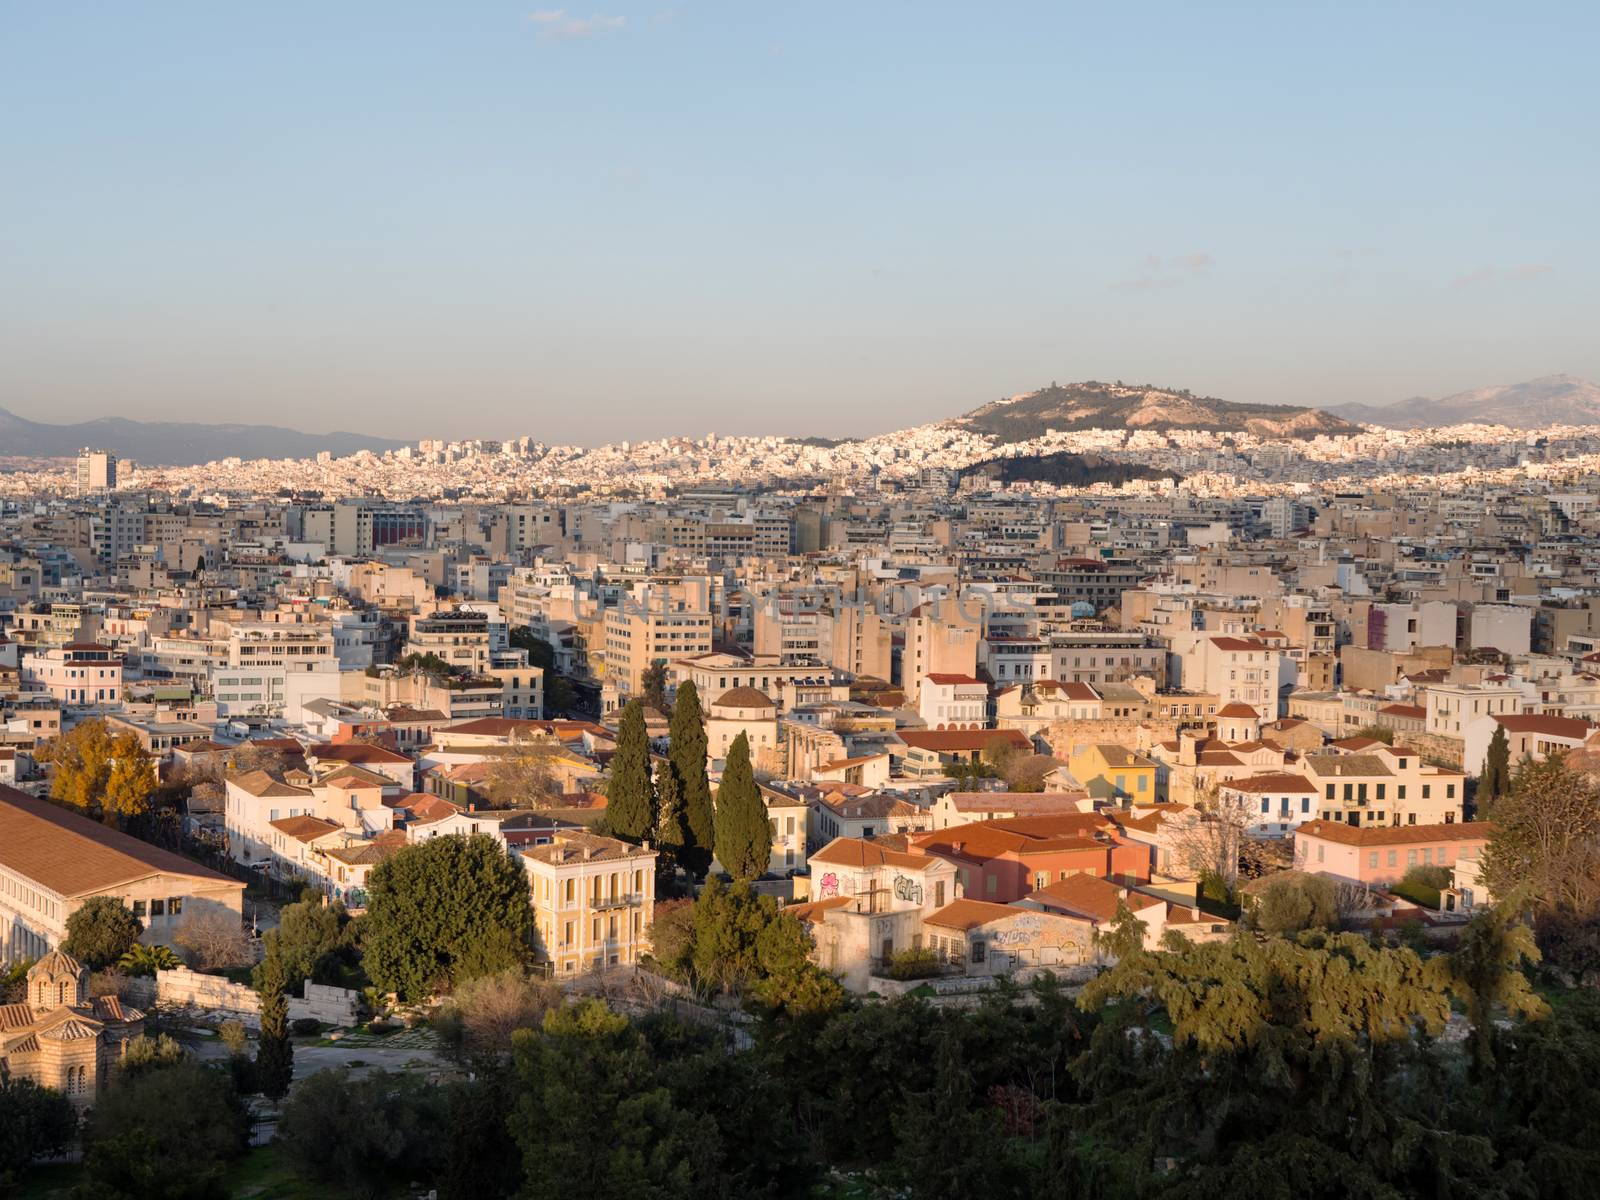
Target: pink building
(1379,855)
(79,674)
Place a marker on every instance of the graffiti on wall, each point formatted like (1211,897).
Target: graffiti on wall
(908,889)
(830,884)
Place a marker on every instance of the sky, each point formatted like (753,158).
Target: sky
(618,220)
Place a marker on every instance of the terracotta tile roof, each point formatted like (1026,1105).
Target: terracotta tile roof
(951,740)
(968,914)
(1091,897)
(74,856)
(355,752)
(1277,781)
(304,828)
(947,679)
(1395,835)
(263,785)
(855,852)
(1237,709)
(812,912)
(584,847)
(1562,727)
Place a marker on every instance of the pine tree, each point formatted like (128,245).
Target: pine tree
(1496,778)
(670,823)
(688,755)
(630,803)
(274,1052)
(744,837)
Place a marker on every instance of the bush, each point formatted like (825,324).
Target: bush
(913,964)
(372,1136)
(306,1026)
(672,937)
(165,1133)
(1291,902)
(1422,885)
(482,1015)
(34,1121)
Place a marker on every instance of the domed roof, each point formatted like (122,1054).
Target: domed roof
(57,962)
(744,697)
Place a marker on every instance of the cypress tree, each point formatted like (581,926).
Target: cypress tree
(630,802)
(688,755)
(274,1052)
(1496,778)
(744,837)
(670,825)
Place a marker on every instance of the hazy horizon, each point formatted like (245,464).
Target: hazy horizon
(625,221)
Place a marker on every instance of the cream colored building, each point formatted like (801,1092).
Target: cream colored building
(593,901)
(60,1036)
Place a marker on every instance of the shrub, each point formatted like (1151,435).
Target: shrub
(1422,885)
(100,932)
(306,1026)
(913,964)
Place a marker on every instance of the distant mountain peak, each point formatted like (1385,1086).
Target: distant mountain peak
(1092,404)
(1560,399)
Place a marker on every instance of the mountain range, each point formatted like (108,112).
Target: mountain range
(174,443)
(1095,405)
(1552,400)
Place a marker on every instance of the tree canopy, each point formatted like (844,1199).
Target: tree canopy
(688,754)
(442,910)
(101,931)
(744,837)
(630,792)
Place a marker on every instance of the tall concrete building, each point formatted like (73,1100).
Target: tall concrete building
(97,471)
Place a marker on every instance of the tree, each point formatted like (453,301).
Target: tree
(480,1016)
(130,782)
(100,932)
(34,1121)
(1293,901)
(213,941)
(630,796)
(371,1137)
(688,755)
(1546,840)
(524,775)
(428,664)
(672,937)
(274,1050)
(442,910)
(1124,936)
(1213,837)
(743,831)
(948,1147)
(80,764)
(560,696)
(164,1134)
(147,960)
(1495,780)
(653,684)
(671,820)
(1486,972)
(310,938)
(743,942)
(1377,733)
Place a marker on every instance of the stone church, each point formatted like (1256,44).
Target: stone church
(62,1038)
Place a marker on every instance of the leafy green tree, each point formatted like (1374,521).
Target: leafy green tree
(630,795)
(371,1137)
(653,685)
(477,1165)
(310,940)
(1495,779)
(1486,972)
(141,959)
(1293,901)
(594,1118)
(429,664)
(164,1134)
(443,910)
(541,653)
(100,932)
(1124,936)
(34,1121)
(1378,733)
(743,831)
(672,937)
(1546,840)
(947,1145)
(274,1050)
(145,1053)
(688,754)
(743,942)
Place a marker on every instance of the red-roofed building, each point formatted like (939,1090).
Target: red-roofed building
(951,701)
(1002,861)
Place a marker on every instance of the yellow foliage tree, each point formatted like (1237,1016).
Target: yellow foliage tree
(131,781)
(81,762)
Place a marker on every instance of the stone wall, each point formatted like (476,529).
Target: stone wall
(183,988)
(1133,732)
(1435,748)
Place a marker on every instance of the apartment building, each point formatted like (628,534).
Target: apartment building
(78,674)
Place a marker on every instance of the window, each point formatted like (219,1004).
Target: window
(1372,858)
(1400,791)
(977,951)
(991,884)
(1427,790)
(1411,858)
(158,908)
(139,909)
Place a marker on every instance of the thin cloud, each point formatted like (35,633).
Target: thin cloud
(1157,273)
(1489,275)
(557,24)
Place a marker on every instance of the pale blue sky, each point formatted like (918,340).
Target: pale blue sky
(621,220)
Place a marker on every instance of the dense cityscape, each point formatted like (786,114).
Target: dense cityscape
(719,601)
